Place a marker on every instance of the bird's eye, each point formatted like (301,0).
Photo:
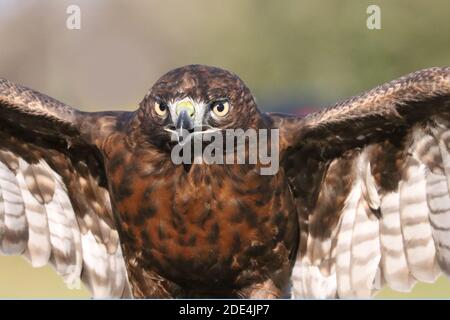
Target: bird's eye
(220,108)
(161,109)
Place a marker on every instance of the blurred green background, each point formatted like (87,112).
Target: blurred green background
(296,56)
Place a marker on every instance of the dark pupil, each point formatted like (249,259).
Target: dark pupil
(220,107)
(162,107)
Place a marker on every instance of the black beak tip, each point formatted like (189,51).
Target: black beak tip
(184,121)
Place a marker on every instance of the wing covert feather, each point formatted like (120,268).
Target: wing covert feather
(54,203)
(394,226)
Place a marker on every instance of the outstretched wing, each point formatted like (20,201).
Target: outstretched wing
(54,204)
(371,179)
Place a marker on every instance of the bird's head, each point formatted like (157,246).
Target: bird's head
(197,99)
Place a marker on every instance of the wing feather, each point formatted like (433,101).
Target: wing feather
(395,226)
(416,230)
(14,236)
(344,243)
(39,246)
(396,269)
(54,206)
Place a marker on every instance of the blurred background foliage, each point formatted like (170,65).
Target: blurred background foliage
(296,56)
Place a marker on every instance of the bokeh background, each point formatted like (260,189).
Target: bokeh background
(296,56)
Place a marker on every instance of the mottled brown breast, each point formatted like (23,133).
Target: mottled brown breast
(214,228)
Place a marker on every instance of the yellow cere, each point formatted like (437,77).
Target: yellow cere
(186,105)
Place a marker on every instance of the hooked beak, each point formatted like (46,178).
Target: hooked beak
(184,123)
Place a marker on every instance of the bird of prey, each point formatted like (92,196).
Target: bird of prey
(361,198)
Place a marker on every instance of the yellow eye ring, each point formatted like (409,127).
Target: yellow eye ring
(220,108)
(161,109)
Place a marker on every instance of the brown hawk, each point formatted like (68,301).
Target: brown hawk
(361,198)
